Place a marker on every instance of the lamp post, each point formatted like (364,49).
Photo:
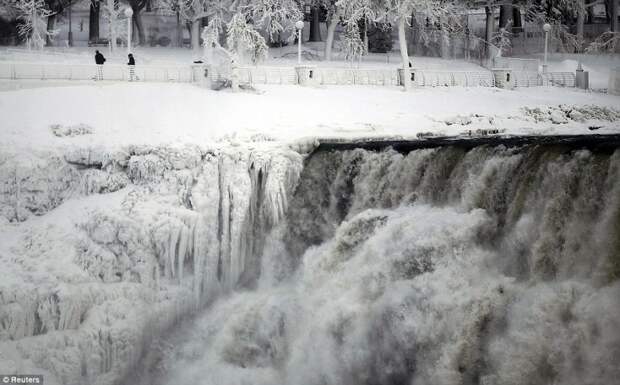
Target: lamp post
(546,28)
(129,14)
(299,25)
(70,36)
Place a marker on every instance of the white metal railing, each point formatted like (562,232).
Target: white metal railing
(534,79)
(559,79)
(526,78)
(429,78)
(356,76)
(266,75)
(57,71)
(278,75)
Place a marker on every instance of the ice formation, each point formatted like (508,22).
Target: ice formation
(133,241)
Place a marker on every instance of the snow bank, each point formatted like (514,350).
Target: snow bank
(177,114)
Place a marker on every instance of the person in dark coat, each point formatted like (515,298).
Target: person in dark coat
(132,67)
(99,60)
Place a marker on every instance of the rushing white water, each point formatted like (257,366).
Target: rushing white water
(442,266)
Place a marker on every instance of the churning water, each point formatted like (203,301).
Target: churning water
(442,266)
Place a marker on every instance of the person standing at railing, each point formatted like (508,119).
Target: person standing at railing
(132,67)
(99,60)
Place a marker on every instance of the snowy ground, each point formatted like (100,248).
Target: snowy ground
(121,114)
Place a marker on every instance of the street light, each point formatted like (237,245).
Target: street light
(70,36)
(546,28)
(129,14)
(299,25)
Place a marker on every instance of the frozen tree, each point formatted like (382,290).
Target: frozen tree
(560,14)
(115,19)
(352,43)
(502,40)
(354,13)
(274,16)
(137,6)
(428,14)
(608,42)
(33,15)
(192,12)
(348,12)
(242,39)
(333,18)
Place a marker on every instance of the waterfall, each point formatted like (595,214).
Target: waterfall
(467,263)
(451,265)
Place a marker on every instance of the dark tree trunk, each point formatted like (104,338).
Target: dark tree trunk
(505,15)
(137,22)
(516,19)
(137,6)
(51,20)
(179,31)
(613,15)
(490,21)
(93,21)
(315,25)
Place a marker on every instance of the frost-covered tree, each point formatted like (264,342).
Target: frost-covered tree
(352,43)
(352,14)
(333,19)
(137,6)
(115,20)
(275,17)
(33,15)
(349,12)
(442,15)
(244,41)
(192,12)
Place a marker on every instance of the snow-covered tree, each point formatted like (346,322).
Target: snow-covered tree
(113,14)
(560,14)
(352,43)
(33,15)
(442,15)
(274,16)
(333,19)
(243,40)
(354,13)
(137,6)
(192,12)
